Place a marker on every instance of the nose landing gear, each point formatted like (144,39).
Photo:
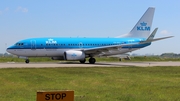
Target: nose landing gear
(27,61)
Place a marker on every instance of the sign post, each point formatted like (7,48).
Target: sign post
(55,96)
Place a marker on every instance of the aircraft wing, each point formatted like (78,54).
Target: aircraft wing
(99,50)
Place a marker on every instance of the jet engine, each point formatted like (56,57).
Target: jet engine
(74,55)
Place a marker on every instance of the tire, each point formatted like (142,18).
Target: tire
(82,61)
(27,61)
(92,60)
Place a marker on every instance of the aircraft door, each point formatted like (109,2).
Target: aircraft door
(130,41)
(33,44)
(80,45)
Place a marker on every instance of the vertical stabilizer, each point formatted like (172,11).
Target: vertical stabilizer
(143,26)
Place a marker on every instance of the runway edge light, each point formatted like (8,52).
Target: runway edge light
(67,95)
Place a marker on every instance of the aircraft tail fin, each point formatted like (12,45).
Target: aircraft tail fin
(143,26)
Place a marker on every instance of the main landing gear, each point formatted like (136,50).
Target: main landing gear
(27,61)
(91,60)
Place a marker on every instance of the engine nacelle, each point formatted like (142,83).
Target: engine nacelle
(57,58)
(74,55)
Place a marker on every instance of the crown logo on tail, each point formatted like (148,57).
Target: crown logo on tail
(143,24)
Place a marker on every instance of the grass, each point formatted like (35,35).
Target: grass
(32,59)
(153,58)
(93,84)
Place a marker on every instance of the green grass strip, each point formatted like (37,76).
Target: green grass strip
(93,84)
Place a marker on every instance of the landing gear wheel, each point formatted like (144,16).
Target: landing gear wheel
(82,61)
(92,60)
(27,60)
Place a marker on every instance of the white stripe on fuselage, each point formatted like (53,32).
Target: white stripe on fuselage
(60,52)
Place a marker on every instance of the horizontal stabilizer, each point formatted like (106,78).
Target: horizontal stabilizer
(149,41)
(151,37)
(161,38)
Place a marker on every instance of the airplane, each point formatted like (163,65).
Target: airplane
(78,49)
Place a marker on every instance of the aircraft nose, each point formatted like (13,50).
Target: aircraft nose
(9,49)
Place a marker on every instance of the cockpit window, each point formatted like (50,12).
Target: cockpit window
(19,44)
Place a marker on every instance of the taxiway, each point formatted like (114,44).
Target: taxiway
(76,64)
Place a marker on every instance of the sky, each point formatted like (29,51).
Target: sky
(22,19)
